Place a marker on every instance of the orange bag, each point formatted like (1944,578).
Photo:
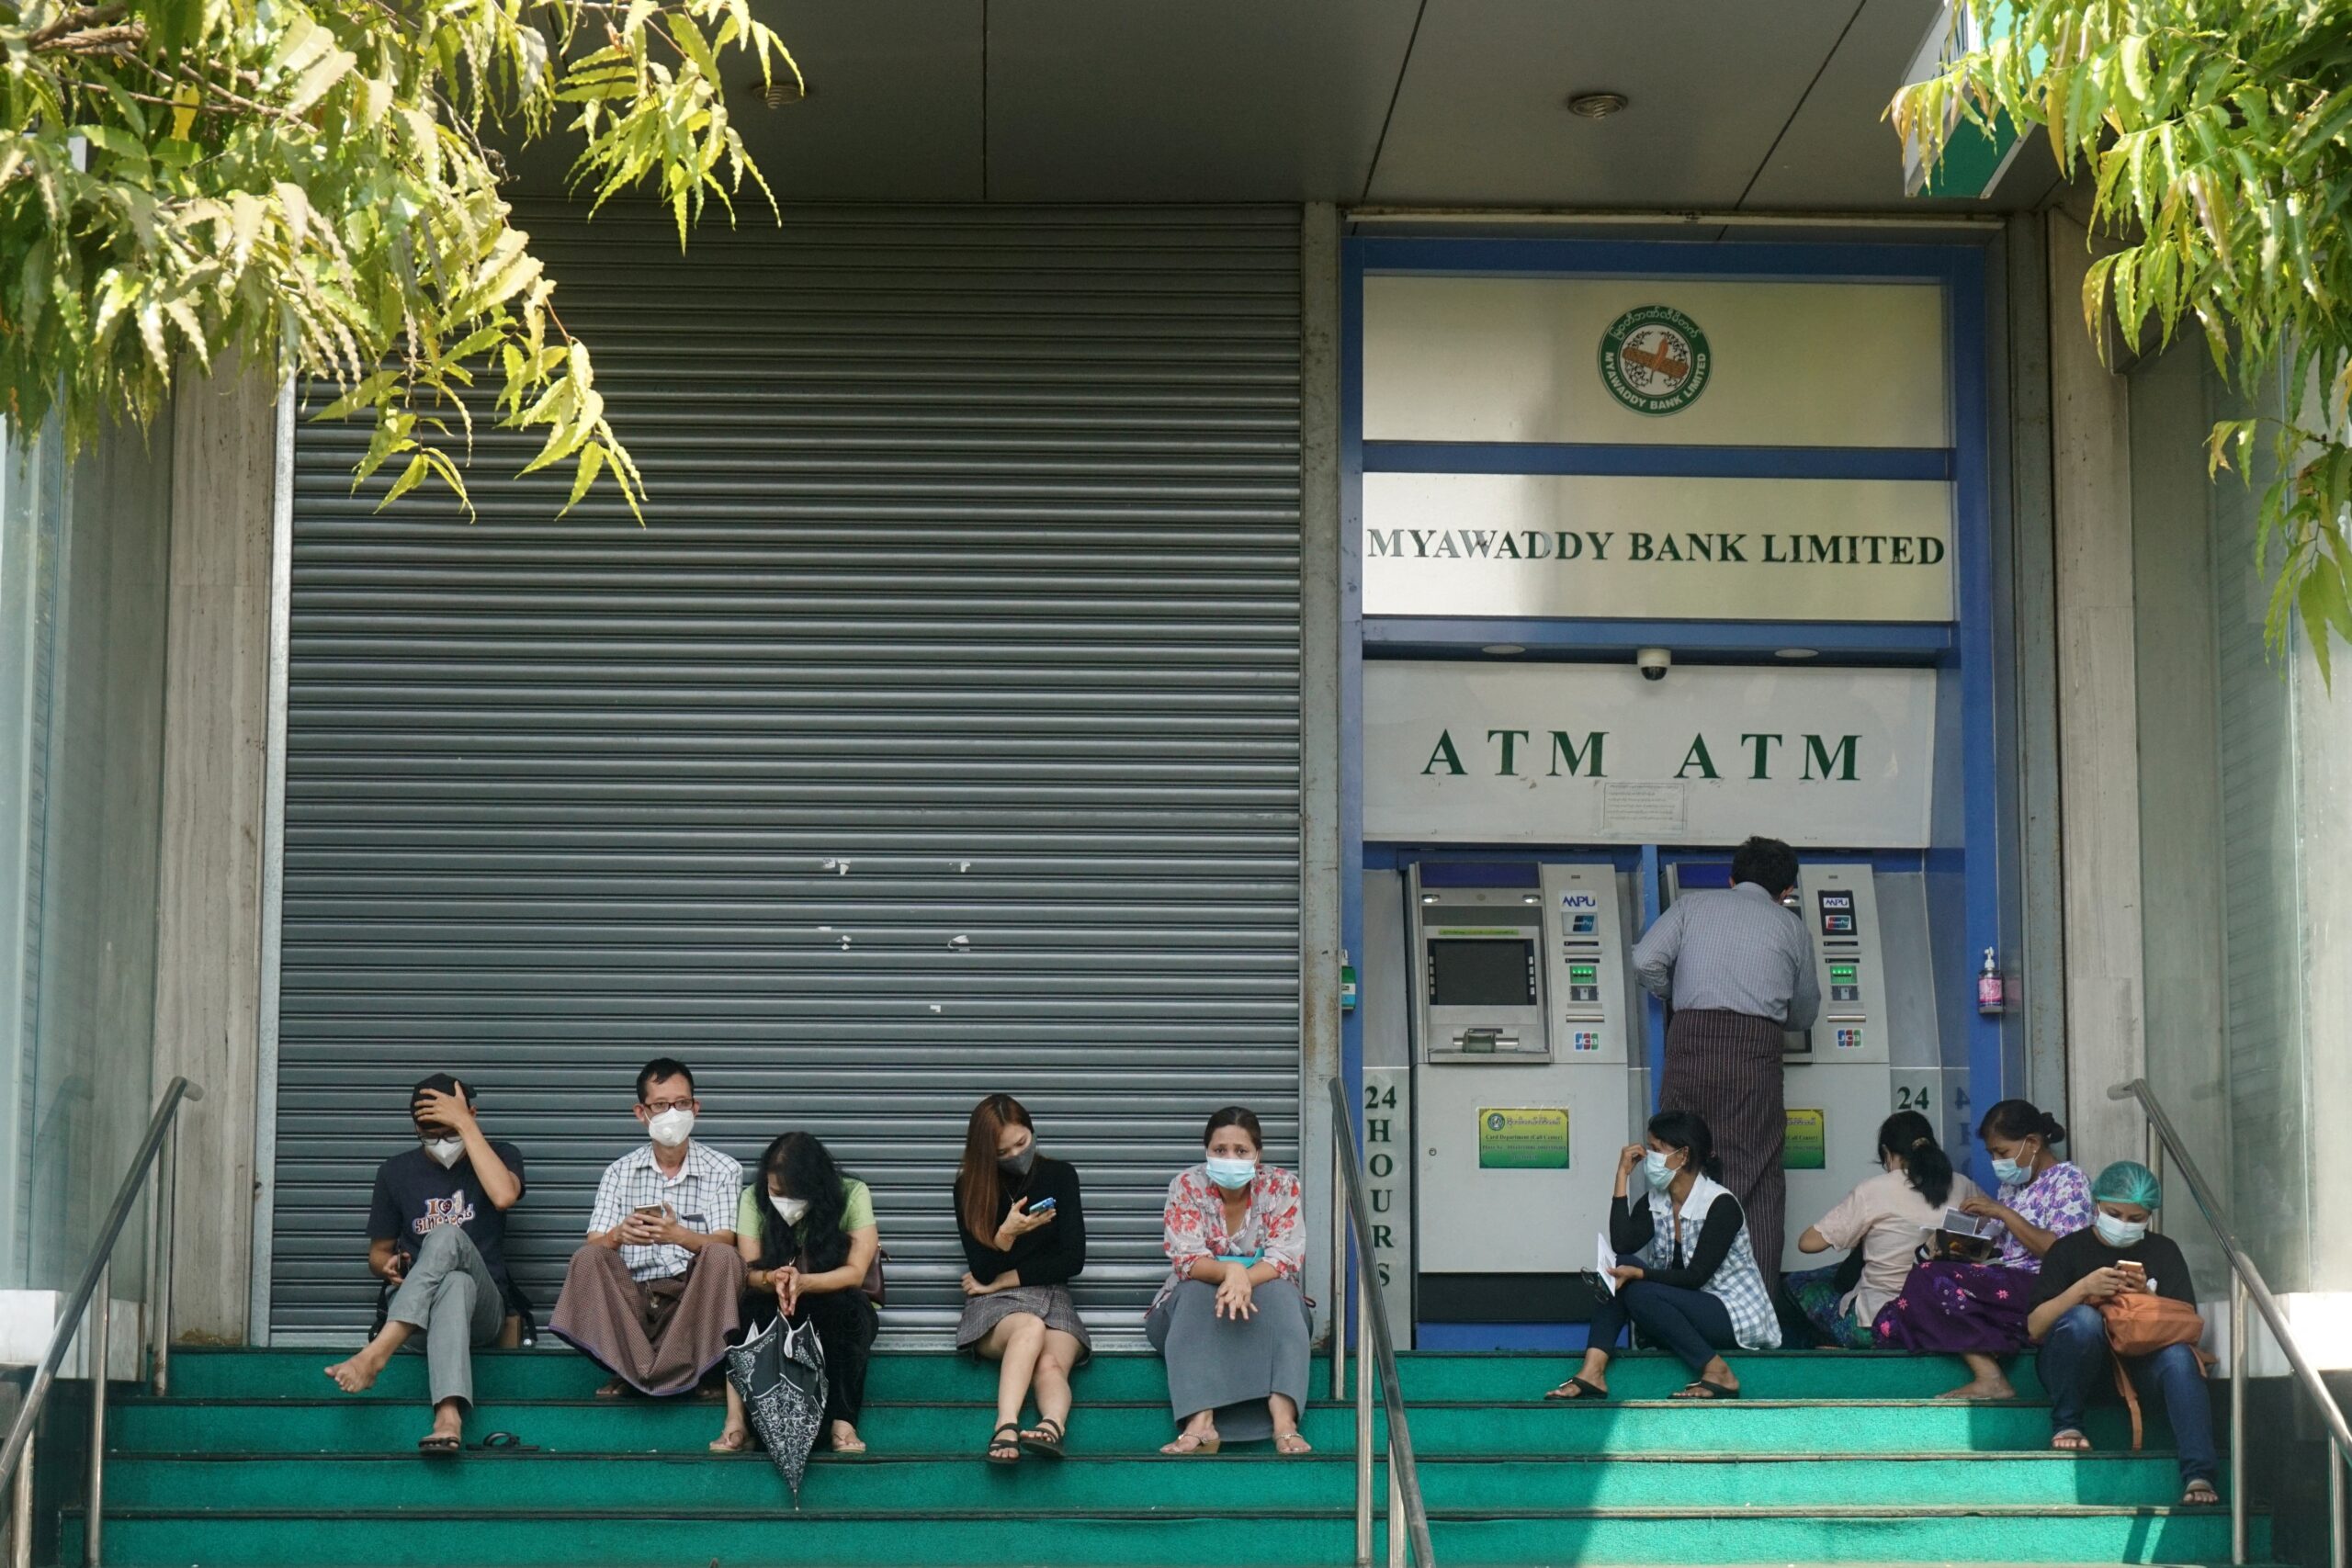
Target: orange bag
(2140,1323)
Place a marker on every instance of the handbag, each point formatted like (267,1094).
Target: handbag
(2140,1323)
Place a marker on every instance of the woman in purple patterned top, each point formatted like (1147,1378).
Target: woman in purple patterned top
(1977,1311)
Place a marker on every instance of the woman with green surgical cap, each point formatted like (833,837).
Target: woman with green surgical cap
(2119,1255)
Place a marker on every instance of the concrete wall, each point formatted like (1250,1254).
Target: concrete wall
(216,727)
(2098,731)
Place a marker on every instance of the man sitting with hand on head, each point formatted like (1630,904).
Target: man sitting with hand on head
(656,1292)
(436,1229)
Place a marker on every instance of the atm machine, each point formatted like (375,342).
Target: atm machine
(1522,1032)
(1838,1080)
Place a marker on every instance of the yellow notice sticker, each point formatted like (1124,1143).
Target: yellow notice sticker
(1807,1145)
(1523,1138)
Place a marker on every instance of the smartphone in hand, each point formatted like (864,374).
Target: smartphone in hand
(1044,1206)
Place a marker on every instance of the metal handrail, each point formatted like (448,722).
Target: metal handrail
(16,1457)
(2247,1281)
(1405,1504)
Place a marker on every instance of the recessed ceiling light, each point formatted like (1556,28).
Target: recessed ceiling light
(1797,653)
(1596,106)
(1502,649)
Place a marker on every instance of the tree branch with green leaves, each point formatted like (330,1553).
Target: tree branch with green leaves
(314,185)
(2218,136)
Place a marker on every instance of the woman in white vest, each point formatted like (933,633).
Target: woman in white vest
(1686,1270)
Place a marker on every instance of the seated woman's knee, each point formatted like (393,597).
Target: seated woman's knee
(439,1242)
(2080,1321)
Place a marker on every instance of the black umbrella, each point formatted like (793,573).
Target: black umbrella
(780,1372)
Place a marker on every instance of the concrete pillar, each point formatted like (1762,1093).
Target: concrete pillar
(2098,731)
(1319,710)
(216,727)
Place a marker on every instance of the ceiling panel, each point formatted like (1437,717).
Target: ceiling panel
(1480,118)
(894,106)
(1274,100)
(1841,153)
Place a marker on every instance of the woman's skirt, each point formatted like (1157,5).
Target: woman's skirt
(1050,1303)
(1959,1308)
(1232,1366)
(1815,1290)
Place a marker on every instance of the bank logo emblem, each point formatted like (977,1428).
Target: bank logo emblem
(1654,359)
(1496,1122)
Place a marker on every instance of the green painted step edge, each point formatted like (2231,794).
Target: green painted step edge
(747,1487)
(1109,1539)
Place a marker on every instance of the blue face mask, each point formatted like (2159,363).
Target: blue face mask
(2010,1173)
(1656,1172)
(2120,1233)
(1232,1174)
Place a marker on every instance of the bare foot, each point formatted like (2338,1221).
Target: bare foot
(1202,1441)
(1981,1388)
(846,1440)
(1293,1442)
(359,1374)
(2071,1442)
(734,1440)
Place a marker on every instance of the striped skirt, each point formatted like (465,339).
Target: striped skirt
(1727,1066)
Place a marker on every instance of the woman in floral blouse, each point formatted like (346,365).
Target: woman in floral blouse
(1977,1311)
(1232,1321)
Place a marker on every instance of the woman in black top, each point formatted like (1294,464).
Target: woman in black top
(1024,1237)
(2118,1256)
(1686,1269)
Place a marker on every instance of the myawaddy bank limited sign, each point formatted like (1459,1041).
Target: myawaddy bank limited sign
(1590,754)
(1547,545)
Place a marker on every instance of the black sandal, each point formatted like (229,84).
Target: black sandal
(1050,1443)
(1584,1390)
(1701,1389)
(1001,1451)
(506,1442)
(439,1443)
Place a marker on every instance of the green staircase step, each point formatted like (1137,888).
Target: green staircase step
(559,1373)
(1266,1537)
(683,1427)
(487,1484)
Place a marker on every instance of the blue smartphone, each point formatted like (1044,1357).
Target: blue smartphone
(1044,1206)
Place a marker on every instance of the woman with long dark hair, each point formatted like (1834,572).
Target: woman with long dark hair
(1024,1240)
(1885,1218)
(1977,1311)
(1231,1322)
(806,1229)
(1686,1266)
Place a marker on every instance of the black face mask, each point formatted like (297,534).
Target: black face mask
(1018,1165)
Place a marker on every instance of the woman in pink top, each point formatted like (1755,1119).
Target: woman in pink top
(1230,1320)
(1884,1220)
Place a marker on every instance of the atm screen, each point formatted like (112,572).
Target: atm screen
(1481,973)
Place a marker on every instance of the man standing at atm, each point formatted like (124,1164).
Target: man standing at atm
(1737,969)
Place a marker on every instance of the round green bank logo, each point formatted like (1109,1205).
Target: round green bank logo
(1654,359)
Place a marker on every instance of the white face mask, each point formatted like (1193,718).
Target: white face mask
(670,1128)
(2120,1233)
(446,1151)
(788,1209)
(1656,1172)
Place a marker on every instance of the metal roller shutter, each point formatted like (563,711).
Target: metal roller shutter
(938,734)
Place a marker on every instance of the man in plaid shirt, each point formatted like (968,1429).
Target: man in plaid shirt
(654,1293)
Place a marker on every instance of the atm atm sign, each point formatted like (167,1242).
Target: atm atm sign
(1523,1138)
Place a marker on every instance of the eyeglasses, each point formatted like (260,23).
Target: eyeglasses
(656,1107)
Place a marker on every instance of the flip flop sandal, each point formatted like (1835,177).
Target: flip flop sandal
(1701,1389)
(735,1443)
(1200,1445)
(439,1444)
(1585,1390)
(506,1442)
(1284,1441)
(1002,1450)
(2081,1445)
(2201,1494)
(1048,1442)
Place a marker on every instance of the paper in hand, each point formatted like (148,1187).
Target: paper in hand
(1608,1261)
